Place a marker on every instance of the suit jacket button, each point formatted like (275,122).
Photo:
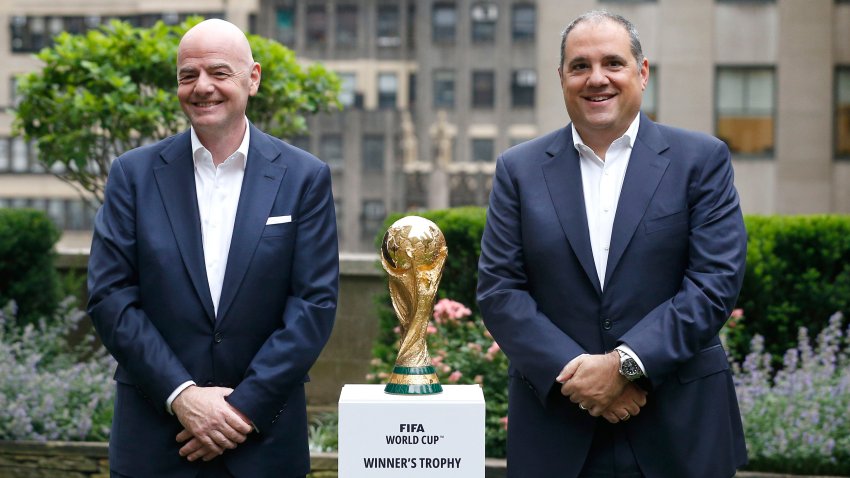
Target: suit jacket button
(606,324)
(217,337)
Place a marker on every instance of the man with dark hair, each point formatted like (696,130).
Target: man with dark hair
(614,252)
(213,278)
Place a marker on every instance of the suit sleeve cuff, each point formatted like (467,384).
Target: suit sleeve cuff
(631,353)
(180,388)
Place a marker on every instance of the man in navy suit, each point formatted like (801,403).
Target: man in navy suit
(213,278)
(614,252)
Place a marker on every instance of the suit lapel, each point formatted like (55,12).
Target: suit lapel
(175,179)
(646,168)
(562,172)
(260,186)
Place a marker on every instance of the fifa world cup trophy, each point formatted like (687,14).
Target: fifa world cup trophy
(413,253)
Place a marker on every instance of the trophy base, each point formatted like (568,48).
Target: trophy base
(413,381)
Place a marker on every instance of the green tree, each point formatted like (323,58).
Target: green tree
(114,89)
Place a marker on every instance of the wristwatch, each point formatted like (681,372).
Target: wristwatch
(628,367)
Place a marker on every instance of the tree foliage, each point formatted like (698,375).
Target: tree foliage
(114,88)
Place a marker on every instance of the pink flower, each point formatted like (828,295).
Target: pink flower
(737,314)
(431,330)
(474,347)
(397,329)
(504,422)
(455,376)
(449,310)
(492,351)
(437,360)
(445,368)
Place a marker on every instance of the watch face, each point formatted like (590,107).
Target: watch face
(629,368)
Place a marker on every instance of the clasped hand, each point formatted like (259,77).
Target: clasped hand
(595,384)
(210,424)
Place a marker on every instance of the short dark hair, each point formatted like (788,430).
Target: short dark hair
(597,15)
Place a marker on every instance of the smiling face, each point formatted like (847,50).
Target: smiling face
(601,80)
(215,76)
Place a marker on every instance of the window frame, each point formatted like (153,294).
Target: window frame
(748,69)
(443,34)
(838,71)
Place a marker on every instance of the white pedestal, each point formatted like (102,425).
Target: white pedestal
(382,435)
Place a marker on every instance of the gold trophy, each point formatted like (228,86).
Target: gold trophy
(413,253)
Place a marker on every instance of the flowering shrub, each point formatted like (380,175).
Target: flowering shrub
(50,390)
(464,352)
(798,420)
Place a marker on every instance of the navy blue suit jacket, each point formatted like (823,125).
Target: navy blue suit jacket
(675,267)
(151,305)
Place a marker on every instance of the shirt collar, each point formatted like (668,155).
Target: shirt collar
(242,150)
(630,134)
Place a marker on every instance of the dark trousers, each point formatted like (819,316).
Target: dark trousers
(610,455)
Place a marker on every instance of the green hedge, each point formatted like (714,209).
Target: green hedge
(798,274)
(27,272)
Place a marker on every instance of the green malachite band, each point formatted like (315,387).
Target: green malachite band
(404,389)
(428,369)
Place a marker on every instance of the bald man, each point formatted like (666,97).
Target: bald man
(213,280)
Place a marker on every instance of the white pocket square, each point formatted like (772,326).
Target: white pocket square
(278,220)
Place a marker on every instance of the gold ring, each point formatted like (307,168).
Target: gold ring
(628,415)
(582,406)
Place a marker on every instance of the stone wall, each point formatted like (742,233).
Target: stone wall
(53,460)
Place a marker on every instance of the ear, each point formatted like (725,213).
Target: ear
(561,73)
(644,74)
(256,73)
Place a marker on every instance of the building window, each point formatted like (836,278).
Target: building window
(5,163)
(14,100)
(389,34)
(28,34)
(387,90)
(842,112)
(484,16)
(411,25)
(443,22)
(374,213)
(482,150)
(444,88)
(745,109)
(411,90)
(347,89)
(317,25)
(330,149)
(483,89)
(523,83)
(649,104)
(373,153)
(523,22)
(285,25)
(20,156)
(346,26)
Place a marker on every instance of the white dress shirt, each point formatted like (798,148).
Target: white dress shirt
(602,181)
(218,189)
